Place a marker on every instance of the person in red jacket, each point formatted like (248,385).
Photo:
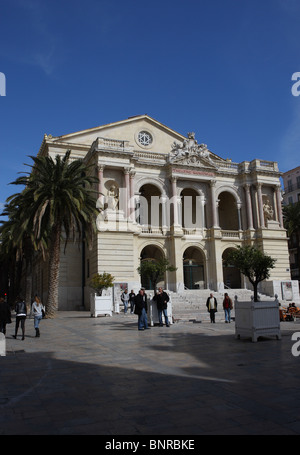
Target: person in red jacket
(227,305)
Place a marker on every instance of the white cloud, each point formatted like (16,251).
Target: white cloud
(43,53)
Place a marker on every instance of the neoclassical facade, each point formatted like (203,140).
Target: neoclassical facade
(162,194)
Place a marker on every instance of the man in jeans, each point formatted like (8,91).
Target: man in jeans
(125,300)
(227,305)
(161,299)
(141,309)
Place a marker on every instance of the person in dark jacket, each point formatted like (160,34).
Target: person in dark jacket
(227,305)
(141,308)
(161,299)
(5,315)
(132,300)
(212,304)
(21,313)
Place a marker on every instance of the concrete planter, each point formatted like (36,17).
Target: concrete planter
(101,305)
(255,319)
(153,313)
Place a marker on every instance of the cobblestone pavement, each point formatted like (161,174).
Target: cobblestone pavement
(104,377)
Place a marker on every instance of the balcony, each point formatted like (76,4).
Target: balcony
(231,234)
(153,230)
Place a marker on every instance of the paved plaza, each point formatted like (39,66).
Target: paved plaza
(104,377)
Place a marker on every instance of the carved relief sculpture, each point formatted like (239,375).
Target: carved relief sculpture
(190,150)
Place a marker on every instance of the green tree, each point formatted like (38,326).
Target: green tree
(155,270)
(291,217)
(17,246)
(58,201)
(253,263)
(102,281)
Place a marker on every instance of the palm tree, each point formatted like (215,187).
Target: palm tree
(59,200)
(16,246)
(291,217)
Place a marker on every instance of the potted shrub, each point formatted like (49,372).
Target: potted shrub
(101,303)
(255,318)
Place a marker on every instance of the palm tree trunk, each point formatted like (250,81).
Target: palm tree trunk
(28,272)
(54,261)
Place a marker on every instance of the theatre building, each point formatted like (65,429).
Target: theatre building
(162,194)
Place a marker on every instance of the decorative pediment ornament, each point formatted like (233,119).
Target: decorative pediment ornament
(190,152)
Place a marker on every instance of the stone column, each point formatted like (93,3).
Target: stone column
(202,205)
(131,195)
(238,206)
(164,213)
(126,192)
(101,185)
(213,204)
(260,205)
(279,207)
(175,202)
(249,206)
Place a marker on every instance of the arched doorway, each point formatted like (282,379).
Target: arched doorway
(228,212)
(231,275)
(151,253)
(193,269)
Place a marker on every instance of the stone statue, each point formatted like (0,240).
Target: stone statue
(268,211)
(112,198)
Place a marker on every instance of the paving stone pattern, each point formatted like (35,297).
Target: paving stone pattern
(104,377)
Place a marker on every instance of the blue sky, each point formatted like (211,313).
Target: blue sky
(220,68)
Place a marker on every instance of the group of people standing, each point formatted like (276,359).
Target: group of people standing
(37,311)
(139,306)
(212,307)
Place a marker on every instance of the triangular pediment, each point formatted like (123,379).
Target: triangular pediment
(127,130)
(162,139)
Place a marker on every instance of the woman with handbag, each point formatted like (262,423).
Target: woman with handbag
(38,311)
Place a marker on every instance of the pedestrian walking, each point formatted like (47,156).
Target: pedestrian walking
(212,304)
(5,315)
(227,305)
(21,314)
(125,300)
(38,311)
(141,308)
(161,298)
(132,300)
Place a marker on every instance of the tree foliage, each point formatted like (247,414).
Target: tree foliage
(57,201)
(291,218)
(155,269)
(253,263)
(102,281)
